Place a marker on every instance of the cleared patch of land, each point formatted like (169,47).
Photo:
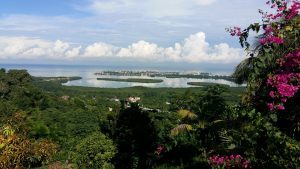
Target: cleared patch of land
(205,84)
(136,80)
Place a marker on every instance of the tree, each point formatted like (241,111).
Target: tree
(135,137)
(17,150)
(95,151)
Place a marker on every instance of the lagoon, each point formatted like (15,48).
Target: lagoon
(89,79)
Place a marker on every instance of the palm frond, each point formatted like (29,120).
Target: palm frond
(225,138)
(180,129)
(243,70)
(187,114)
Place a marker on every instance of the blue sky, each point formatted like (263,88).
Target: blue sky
(95,31)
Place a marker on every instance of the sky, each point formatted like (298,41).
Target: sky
(162,32)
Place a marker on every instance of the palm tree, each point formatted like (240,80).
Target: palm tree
(243,70)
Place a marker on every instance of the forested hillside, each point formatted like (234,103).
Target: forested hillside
(77,121)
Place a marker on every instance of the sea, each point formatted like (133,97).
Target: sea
(89,79)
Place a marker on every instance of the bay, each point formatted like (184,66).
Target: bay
(89,79)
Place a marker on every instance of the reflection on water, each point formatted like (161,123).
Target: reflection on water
(167,82)
(90,80)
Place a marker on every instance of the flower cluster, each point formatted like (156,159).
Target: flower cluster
(293,10)
(283,11)
(281,6)
(235,31)
(232,161)
(270,39)
(160,149)
(285,83)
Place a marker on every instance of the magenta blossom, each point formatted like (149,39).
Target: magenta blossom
(270,106)
(232,161)
(285,83)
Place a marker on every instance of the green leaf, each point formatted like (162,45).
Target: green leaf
(273,117)
(2,145)
(231,147)
(267,50)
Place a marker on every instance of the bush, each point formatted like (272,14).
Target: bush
(95,151)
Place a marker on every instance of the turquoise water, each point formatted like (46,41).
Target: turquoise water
(90,80)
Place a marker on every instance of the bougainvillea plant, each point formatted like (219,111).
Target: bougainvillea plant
(285,82)
(272,74)
(276,57)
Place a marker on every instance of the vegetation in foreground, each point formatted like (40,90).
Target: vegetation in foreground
(46,125)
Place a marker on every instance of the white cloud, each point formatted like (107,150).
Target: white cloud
(141,49)
(60,47)
(194,49)
(149,8)
(73,53)
(99,50)
(34,48)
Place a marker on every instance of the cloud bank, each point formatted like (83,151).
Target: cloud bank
(193,49)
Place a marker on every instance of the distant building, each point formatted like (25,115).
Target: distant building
(133,99)
(114,99)
(66,98)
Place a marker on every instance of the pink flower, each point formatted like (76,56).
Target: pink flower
(293,10)
(283,100)
(270,81)
(282,8)
(278,15)
(268,30)
(280,107)
(245,164)
(236,31)
(271,39)
(263,41)
(286,90)
(276,40)
(273,6)
(229,161)
(160,149)
(270,106)
(272,94)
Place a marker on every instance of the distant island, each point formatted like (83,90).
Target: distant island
(136,80)
(203,84)
(196,75)
(60,79)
